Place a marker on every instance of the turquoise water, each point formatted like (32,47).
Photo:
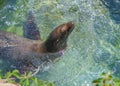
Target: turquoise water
(93,46)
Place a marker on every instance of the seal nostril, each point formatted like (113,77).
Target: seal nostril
(72,22)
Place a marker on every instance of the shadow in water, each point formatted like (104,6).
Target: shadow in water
(101,55)
(114,9)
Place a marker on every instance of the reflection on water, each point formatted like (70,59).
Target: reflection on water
(93,47)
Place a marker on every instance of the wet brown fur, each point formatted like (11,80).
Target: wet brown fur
(23,49)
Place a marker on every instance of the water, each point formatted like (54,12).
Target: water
(94,45)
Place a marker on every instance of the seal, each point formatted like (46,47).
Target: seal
(26,54)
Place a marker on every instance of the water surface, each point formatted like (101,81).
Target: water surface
(93,46)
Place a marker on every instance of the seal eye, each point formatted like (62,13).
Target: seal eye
(57,40)
(68,29)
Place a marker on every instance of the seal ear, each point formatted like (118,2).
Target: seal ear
(57,39)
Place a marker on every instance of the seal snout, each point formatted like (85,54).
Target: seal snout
(70,26)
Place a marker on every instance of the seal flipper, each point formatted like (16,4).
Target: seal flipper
(30,29)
